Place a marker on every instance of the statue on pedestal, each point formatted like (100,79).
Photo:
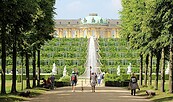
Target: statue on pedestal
(54,69)
(118,70)
(64,71)
(129,69)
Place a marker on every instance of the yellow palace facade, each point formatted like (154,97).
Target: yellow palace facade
(92,25)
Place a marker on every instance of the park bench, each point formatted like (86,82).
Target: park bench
(150,92)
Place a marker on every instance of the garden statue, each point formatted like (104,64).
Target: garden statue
(54,69)
(129,69)
(118,70)
(167,69)
(64,71)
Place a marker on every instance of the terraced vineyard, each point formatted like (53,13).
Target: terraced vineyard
(115,52)
(69,52)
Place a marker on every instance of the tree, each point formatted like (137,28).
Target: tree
(146,69)
(163,71)
(44,27)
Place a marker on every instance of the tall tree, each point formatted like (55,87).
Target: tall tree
(146,69)
(141,69)
(163,71)
(23,22)
(150,68)
(44,27)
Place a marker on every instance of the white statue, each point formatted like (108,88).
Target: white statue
(129,69)
(64,71)
(167,69)
(118,70)
(54,69)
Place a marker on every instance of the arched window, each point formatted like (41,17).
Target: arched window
(102,34)
(113,34)
(85,33)
(73,33)
(65,33)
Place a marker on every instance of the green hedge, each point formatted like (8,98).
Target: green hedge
(124,77)
(9,77)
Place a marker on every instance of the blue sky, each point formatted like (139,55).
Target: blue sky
(74,9)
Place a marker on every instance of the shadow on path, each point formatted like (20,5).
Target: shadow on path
(102,94)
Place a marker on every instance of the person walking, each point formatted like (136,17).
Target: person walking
(73,80)
(133,85)
(93,81)
(99,78)
(52,78)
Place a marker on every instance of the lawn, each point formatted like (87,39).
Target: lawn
(160,96)
(15,97)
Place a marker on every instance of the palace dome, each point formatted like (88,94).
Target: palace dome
(94,19)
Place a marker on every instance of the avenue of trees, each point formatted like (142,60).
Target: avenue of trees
(147,25)
(24,27)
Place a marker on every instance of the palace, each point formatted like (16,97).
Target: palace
(92,25)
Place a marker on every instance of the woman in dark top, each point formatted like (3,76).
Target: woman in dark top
(133,84)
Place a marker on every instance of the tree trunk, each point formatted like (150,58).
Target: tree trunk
(157,70)
(146,70)
(27,71)
(13,88)
(150,67)
(22,71)
(3,64)
(38,65)
(34,69)
(141,69)
(171,70)
(163,71)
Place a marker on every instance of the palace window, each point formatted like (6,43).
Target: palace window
(73,33)
(65,33)
(85,33)
(101,34)
(113,34)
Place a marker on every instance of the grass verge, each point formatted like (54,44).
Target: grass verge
(16,98)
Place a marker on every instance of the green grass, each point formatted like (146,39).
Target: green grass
(15,97)
(18,85)
(160,96)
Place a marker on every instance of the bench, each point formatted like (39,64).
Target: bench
(150,92)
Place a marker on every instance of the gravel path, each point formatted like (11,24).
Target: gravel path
(102,94)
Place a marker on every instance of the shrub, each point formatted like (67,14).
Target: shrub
(65,79)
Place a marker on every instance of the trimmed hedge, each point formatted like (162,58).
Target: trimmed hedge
(9,77)
(61,84)
(117,83)
(125,77)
